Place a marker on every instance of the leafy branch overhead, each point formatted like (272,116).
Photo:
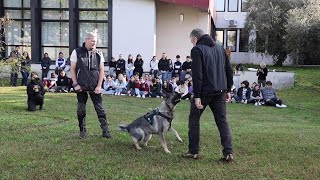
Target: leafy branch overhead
(281,27)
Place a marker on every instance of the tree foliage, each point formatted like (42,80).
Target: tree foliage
(277,23)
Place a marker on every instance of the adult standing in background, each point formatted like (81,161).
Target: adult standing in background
(212,80)
(262,74)
(87,79)
(129,66)
(45,65)
(186,67)
(163,66)
(138,66)
(121,65)
(15,67)
(25,68)
(60,63)
(112,67)
(154,70)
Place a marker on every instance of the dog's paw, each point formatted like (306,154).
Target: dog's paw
(180,140)
(168,152)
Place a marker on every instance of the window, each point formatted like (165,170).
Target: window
(93,16)
(233,5)
(232,40)
(244,40)
(55,28)
(244,7)
(18,33)
(220,5)
(220,36)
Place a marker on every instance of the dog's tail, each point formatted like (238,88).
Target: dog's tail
(123,127)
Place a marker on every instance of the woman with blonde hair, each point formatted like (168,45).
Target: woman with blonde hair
(262,74)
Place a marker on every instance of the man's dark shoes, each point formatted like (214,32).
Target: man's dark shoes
(82,135)
(227,158)
(107,134)
(190,155)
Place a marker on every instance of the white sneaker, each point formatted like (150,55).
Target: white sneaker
(143,96)
(259,103)
(278,105)
(256,103)
(138,96)
(283,105)
(158,96)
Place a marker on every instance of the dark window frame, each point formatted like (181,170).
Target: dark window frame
(240,49)
(222,35)
(236,43)
(229,6)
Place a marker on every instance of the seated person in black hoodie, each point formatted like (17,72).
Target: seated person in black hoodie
(64,82)
(130,87)
(155,89)
(35,93)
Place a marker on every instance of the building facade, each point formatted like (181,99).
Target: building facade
(146,27)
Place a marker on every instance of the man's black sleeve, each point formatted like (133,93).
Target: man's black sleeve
(196,69)
(229,73)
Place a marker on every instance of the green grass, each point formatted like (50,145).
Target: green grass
(269,143)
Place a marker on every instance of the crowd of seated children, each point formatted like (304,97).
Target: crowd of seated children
(265,96)
(50,84)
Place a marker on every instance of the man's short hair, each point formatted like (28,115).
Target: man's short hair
(177,56)
(188,57)
(91,35)
(198,33)
(269,83)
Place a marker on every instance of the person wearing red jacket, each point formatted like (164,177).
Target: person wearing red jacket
(142,88)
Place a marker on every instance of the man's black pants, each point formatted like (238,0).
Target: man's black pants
(81,111)
(217,105)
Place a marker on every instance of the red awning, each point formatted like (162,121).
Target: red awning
(202,4)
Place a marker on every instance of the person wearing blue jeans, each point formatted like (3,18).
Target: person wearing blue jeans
(25,68)
(164,66)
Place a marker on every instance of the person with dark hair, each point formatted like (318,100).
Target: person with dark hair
(163,66)
(262,74)
(154,70)
(45,65)
(129,66)
(239,67)
(186,67)
(270,97)
(108,86)
(177,68)
(243,93)
(155,89)
(120,66)
(60,63)
(166,87)
(138,66)
(15,67)
(256,96)
(212,78)
(131,87)
(25,68)
(112,67)
(35,93)
(87,79)
(169,77)
(64,83)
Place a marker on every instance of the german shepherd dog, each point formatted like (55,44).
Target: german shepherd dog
(155,122)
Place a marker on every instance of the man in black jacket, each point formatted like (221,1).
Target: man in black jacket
(120,66)
(164,67)
(212,81)
(87,73)
(35,93)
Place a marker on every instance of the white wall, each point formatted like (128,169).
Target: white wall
(173,36)
(134,28)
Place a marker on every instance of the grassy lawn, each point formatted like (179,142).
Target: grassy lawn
(269,143)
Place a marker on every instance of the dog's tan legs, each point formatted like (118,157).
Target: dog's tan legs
(147,139)
(164,143)
(136,143)
(175,134)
